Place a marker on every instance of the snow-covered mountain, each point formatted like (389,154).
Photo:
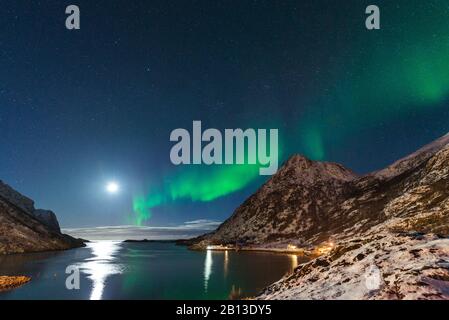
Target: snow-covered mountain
(394,221)
(308,202)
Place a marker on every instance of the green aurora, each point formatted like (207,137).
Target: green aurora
(191,185)
(399,69)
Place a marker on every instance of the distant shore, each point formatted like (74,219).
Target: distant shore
(296,251)
(149,241)
(187,242)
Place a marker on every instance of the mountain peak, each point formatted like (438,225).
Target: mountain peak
(307,201)
(306,171)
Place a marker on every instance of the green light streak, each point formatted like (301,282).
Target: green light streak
(381,76)
(211,183)
(196,183)
(312,142)
(143,205)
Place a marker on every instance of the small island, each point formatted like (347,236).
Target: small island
(12,282)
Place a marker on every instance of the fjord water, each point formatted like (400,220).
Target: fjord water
(119,270)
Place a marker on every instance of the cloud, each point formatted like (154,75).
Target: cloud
(186,230)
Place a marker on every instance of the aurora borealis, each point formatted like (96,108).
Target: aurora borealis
(81,108)
(401,70)
(190,185)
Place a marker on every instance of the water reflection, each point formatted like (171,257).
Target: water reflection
(294,261)
(102,265)
(113,270)
(237,269)
(207,268)
(226,263)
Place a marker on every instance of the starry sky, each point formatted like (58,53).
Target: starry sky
(81,108)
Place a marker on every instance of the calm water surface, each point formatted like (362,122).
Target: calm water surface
(117,270)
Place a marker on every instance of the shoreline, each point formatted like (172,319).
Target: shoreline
(185,243)
(301,252)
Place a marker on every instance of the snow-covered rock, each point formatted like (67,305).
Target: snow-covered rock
(381,265)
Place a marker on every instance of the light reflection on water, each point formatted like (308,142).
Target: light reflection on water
(294,259)
(226,263)
(101,265)
(207,268)
(294,262)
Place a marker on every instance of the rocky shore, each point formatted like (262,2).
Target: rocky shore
(378,266)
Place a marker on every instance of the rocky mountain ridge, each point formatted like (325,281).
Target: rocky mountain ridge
(308,202)
(26,229)
(47,217)
(384,235)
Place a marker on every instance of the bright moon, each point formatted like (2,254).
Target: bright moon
(112,187)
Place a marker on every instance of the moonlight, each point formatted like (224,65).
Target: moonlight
(112,187)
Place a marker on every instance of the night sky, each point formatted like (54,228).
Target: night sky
(81,108)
